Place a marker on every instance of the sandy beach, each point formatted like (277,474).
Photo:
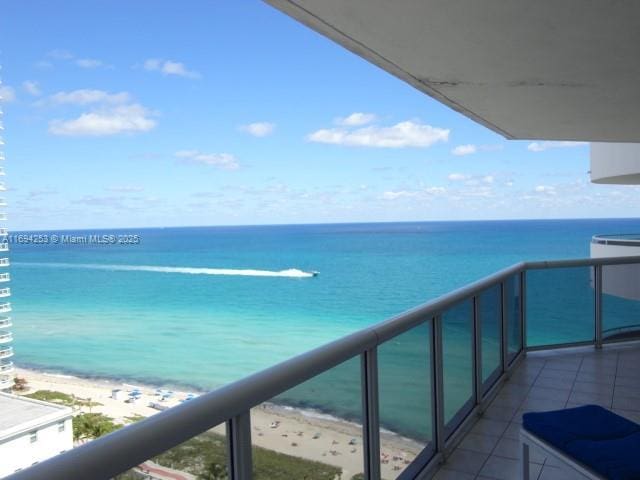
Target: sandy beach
(295,432)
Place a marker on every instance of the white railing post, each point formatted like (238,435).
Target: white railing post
(370,414)
(239,460)
(438,383)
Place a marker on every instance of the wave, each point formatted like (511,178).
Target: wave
(291,272)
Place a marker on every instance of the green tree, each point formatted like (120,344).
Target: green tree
(92,425)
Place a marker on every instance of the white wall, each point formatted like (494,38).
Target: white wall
(619,280)
(19,453)
(615,163)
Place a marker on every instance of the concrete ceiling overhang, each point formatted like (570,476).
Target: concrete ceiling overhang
(534,69)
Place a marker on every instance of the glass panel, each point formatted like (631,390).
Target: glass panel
(404,382)
(204,456)
(560,306)
(514,325)
(312,431)
(621,301)
(490,313)
(457,353)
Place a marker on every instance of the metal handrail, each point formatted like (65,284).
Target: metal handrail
(119,451)
(621,239)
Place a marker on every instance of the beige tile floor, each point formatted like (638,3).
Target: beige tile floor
(545,381)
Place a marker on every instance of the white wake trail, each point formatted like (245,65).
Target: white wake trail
(290,273)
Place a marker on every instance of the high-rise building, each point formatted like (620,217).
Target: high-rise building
(6,338)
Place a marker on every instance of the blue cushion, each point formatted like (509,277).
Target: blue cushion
(605,442)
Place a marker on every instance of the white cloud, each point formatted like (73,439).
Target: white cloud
(32,88)
(458,177)
(169,67)
(465,150)
(259,129)
(225,161)
(7,94)
(402,135)
(89,63)
(542,146)
(471,180)
(88,96)
(470,149)
(394,195)
(133,118)
(356,119)
(548,189)
(424,193)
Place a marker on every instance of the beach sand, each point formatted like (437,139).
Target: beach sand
(295,432)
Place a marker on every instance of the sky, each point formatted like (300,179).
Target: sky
(146,113)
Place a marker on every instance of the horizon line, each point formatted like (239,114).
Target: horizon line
(326,223)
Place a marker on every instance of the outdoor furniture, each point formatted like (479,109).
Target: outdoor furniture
(591,440)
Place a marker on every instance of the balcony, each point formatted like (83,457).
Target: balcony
(6,367)
(6,352)
(530,337)
(6,383)
(5,277)
(4,262)
(5,307)
(6,337)
(4,232)
(5,292)
(5,322)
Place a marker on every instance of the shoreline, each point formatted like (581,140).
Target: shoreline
(308,434)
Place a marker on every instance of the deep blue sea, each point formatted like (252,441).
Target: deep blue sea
(179,309)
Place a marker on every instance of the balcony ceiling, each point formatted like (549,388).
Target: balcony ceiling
(546,69)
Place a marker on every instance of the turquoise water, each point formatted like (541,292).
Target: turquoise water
(91,310)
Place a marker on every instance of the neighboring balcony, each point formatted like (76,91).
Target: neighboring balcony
(6,352)
(5,322)
(4,262)
(4,246)
(6,383)
(5,307)
(5,277)
(6,367)
(6,337)
(620,283)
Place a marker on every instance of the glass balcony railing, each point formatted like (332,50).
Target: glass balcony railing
(449,357)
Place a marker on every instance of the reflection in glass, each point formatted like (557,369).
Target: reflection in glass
(404,382)
(560,306)
(313,430)
(457,352)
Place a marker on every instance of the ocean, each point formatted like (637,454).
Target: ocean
(204,306)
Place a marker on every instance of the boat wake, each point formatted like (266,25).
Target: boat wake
(290,273)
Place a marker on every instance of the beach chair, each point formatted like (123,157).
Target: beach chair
(590,440)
